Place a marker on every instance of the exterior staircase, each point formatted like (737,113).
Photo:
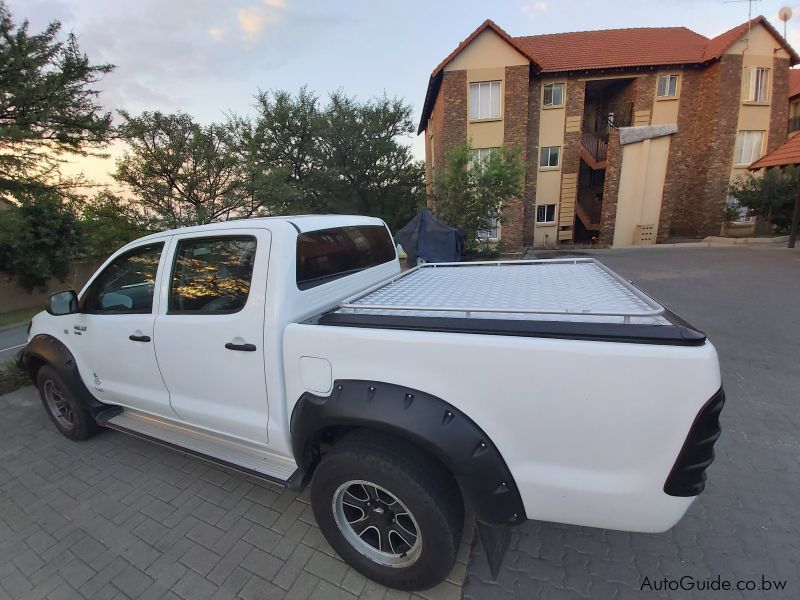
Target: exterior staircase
(581,213)
(594,150)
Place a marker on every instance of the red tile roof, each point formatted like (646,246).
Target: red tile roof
(717,46)
(610,49)
(613,48)
(794,82)
(786,154)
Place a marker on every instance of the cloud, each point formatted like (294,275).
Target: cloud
(217,33)
(275,3)
(253,20)
(531,7)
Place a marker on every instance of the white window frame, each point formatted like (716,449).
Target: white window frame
(549,150)
(746,150)
(553,85)
(477,110)
(493,233)
(480,155)
(544,207)
(758,86)
(744,217)
(670,86)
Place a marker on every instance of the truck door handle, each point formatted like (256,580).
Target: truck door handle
(241,347)
(139,338)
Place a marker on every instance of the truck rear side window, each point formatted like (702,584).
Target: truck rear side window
(212,275)
(328,254)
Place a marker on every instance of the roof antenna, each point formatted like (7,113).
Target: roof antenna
(749,13)
(784,15)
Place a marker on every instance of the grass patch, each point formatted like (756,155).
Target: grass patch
(18,316)
(12,377)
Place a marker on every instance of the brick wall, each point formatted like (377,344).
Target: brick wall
(532,163)
(779,113)
(696,200)
(453,95)
(608,213)
(515,133)
(680,164)
(571,157)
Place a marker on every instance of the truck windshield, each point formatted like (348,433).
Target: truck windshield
(328,254)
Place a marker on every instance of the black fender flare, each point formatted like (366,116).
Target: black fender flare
(425,420)
(44,349)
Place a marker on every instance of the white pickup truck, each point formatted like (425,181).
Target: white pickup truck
(295,350)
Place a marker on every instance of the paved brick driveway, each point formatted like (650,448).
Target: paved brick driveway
(747,522)
(116,517)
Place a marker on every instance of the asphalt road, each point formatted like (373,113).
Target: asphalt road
(11,341)
(746,525)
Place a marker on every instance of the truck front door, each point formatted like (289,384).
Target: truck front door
(112,336)
(209,333)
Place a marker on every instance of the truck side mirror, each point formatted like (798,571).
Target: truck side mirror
(63,303)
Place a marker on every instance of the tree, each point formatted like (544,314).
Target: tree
(39,239)
(183,173)
(107,222)
(344,157)
(770,195)
(369,171)
(470,193)
(48,105)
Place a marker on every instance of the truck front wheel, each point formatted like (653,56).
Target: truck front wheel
(69,417)
(394,514)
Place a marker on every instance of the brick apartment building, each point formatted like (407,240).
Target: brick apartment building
(629,135)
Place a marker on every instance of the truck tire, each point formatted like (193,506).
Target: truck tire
(69,417)
(394,514)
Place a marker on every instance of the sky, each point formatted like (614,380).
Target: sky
(209,57)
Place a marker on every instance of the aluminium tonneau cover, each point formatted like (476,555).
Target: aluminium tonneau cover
(567,297)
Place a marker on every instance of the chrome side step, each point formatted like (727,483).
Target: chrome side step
(230,452)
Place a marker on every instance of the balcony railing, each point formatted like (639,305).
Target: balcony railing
(595,146)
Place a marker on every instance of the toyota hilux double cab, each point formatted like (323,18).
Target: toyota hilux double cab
(294,349)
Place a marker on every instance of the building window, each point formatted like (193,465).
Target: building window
(667,86)
(748,147)
(484,100)
(759,85)
(744,213)
(493,233)
(546,213)
(480,156)
(549,155)
(553,94)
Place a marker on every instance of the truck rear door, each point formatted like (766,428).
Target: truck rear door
(209,333)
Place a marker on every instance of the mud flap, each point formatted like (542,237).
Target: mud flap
(495,540)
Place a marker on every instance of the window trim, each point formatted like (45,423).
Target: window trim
(740,165)
(563,85)
(171,274)
(677,94)
(85,295)
(549,167)
(497,227)
(479,119)
(555,213)
(751,96)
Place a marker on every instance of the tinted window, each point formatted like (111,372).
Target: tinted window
(328,254)
(212,275)
(126,285)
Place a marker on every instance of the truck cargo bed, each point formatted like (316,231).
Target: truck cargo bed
(576,297)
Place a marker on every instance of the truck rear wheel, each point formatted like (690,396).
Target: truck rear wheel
(390,511)
(69,417)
